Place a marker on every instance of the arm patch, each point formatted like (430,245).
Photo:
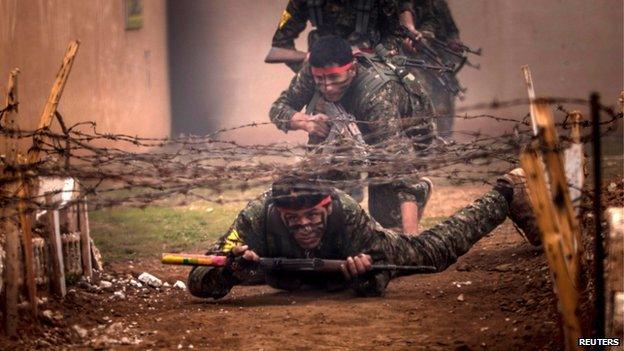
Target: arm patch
(286,16)
(231,240)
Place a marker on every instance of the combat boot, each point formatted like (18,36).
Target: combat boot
(424,195)
(520,210)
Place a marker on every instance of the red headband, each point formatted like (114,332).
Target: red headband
(320,71)
(322,203)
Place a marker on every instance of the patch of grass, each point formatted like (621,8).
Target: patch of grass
(428,222)
(125,232)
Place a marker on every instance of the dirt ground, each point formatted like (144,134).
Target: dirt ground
(496,297)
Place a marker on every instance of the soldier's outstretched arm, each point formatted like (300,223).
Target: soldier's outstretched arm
(243,238)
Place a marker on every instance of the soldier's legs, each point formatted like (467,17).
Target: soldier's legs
(445,110)
(441,245)
(389,204)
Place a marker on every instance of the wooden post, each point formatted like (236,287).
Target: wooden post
(29,259)
(47,116)
(554,248)
(33,157)
(53,230)
(559,193)
(614,273)
(531,92)
(85,238)
(11,266)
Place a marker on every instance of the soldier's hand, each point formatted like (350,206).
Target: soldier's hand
(427,34)
(316,125)
(356,265)
(245,253)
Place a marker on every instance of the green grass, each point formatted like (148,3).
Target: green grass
(125,232)
(428,222)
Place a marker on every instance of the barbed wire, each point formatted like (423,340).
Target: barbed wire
(121,169)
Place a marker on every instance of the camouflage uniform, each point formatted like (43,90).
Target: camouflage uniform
(337,17)
(435,16)
(349,232)
(378,104)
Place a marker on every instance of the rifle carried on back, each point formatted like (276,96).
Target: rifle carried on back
(284,264)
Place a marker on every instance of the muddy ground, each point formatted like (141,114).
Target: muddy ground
(496,297)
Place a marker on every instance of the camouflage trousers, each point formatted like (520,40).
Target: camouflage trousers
(384,201)
(441,245)
(443,102)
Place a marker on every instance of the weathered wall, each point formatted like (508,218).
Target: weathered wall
(572,46)
(119,77)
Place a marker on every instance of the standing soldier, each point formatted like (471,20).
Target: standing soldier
(360,22)
(434,21)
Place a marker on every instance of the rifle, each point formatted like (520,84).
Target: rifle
(284,264)
(446,79)
(459,55)
(281,55)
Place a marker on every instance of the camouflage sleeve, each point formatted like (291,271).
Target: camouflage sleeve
(216,282)
(424,16)
(405,5)
(292,22)
(364,235)
(247,229)
(293,99)
(448,28)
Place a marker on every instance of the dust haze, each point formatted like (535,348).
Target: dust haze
(219,78)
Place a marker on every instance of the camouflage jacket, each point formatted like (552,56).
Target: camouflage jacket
(377,105)
(338,17)
(350,231)
(435,16)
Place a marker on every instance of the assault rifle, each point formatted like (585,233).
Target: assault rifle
(284,264)
(343,127)
(281,55)
(446,79)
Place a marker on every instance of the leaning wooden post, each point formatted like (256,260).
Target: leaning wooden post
(32,158)
(554,248)
(614,274)
(559,193)
(11,266)
(53,230)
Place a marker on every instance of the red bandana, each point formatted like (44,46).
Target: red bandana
(322,203)
(320,71)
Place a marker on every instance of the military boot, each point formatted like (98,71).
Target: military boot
(520,210)
(424,195)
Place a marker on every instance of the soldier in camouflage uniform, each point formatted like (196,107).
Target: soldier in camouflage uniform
(378,101)
(361,22)
(299,218)
(434,20)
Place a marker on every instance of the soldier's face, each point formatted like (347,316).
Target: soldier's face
(334,85)
(307,226)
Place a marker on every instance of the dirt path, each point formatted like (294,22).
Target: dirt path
(497,297)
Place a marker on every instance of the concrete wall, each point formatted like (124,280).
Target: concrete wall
(572,46)
(119,77)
